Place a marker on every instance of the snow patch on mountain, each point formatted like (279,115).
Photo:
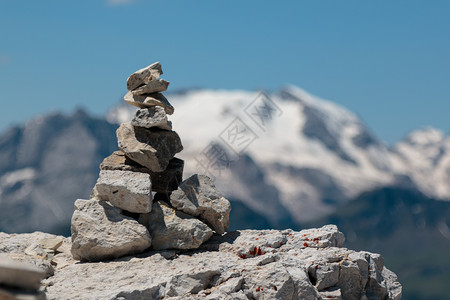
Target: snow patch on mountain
(427,153)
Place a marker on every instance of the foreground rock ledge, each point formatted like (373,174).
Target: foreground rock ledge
(249,264)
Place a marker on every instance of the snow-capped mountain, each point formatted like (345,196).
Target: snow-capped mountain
(292,153)
(45,165)
(426,152)
(287,156)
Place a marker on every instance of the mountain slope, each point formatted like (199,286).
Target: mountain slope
(288,156)
(45,165)
(427,153)
(313,154)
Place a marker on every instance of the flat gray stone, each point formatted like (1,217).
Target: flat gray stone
(197,196)
(144,75)
(171,229)
(154,86)
(149,100)
(154,116)
(20,275)
(151,148)
(162,182)
(14,294)
(100,231)
(131,191)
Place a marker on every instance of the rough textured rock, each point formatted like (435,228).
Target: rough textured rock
(16,246)
(152,87)
(151,148)
(100,231)
(198,197)
(144,75)
(131,191)
(149,100)
(218,271)
(171,229)
(162,182)
(154,116)
(20,275)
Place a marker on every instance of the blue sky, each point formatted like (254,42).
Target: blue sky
(388,61)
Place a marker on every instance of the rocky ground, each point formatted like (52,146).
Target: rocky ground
(248,264)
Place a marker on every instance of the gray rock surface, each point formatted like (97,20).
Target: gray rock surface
(131,191)
(144,75)
(16,246)
(171,229)
(218,271)
(162,182)
(19,274)
(154,86)
(198,197)
(149,100)
(151,148)
(153,116)
(100,231)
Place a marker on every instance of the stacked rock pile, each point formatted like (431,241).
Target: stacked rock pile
(139,200)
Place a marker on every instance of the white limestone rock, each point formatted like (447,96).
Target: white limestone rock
(131,191)
(100,231)
(144,75)
(171,229)
(154,86)
(197,196)
(154,116)
(217,270)
(149,100)
(162,182)
(151,148)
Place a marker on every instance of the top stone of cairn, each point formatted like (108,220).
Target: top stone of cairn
(144,76)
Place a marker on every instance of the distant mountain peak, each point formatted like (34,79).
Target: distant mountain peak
(425,136)
(308,159)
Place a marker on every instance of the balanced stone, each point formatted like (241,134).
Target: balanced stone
(148,100)
(131,191)
(20,274)
(199,197)
(151,148)
(144,75)
(119,161)
(163,182)
(153,116)
(171,229)
(155,86)
(100,231)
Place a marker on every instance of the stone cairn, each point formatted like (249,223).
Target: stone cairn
(139,201)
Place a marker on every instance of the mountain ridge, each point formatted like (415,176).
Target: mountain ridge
(310,157)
